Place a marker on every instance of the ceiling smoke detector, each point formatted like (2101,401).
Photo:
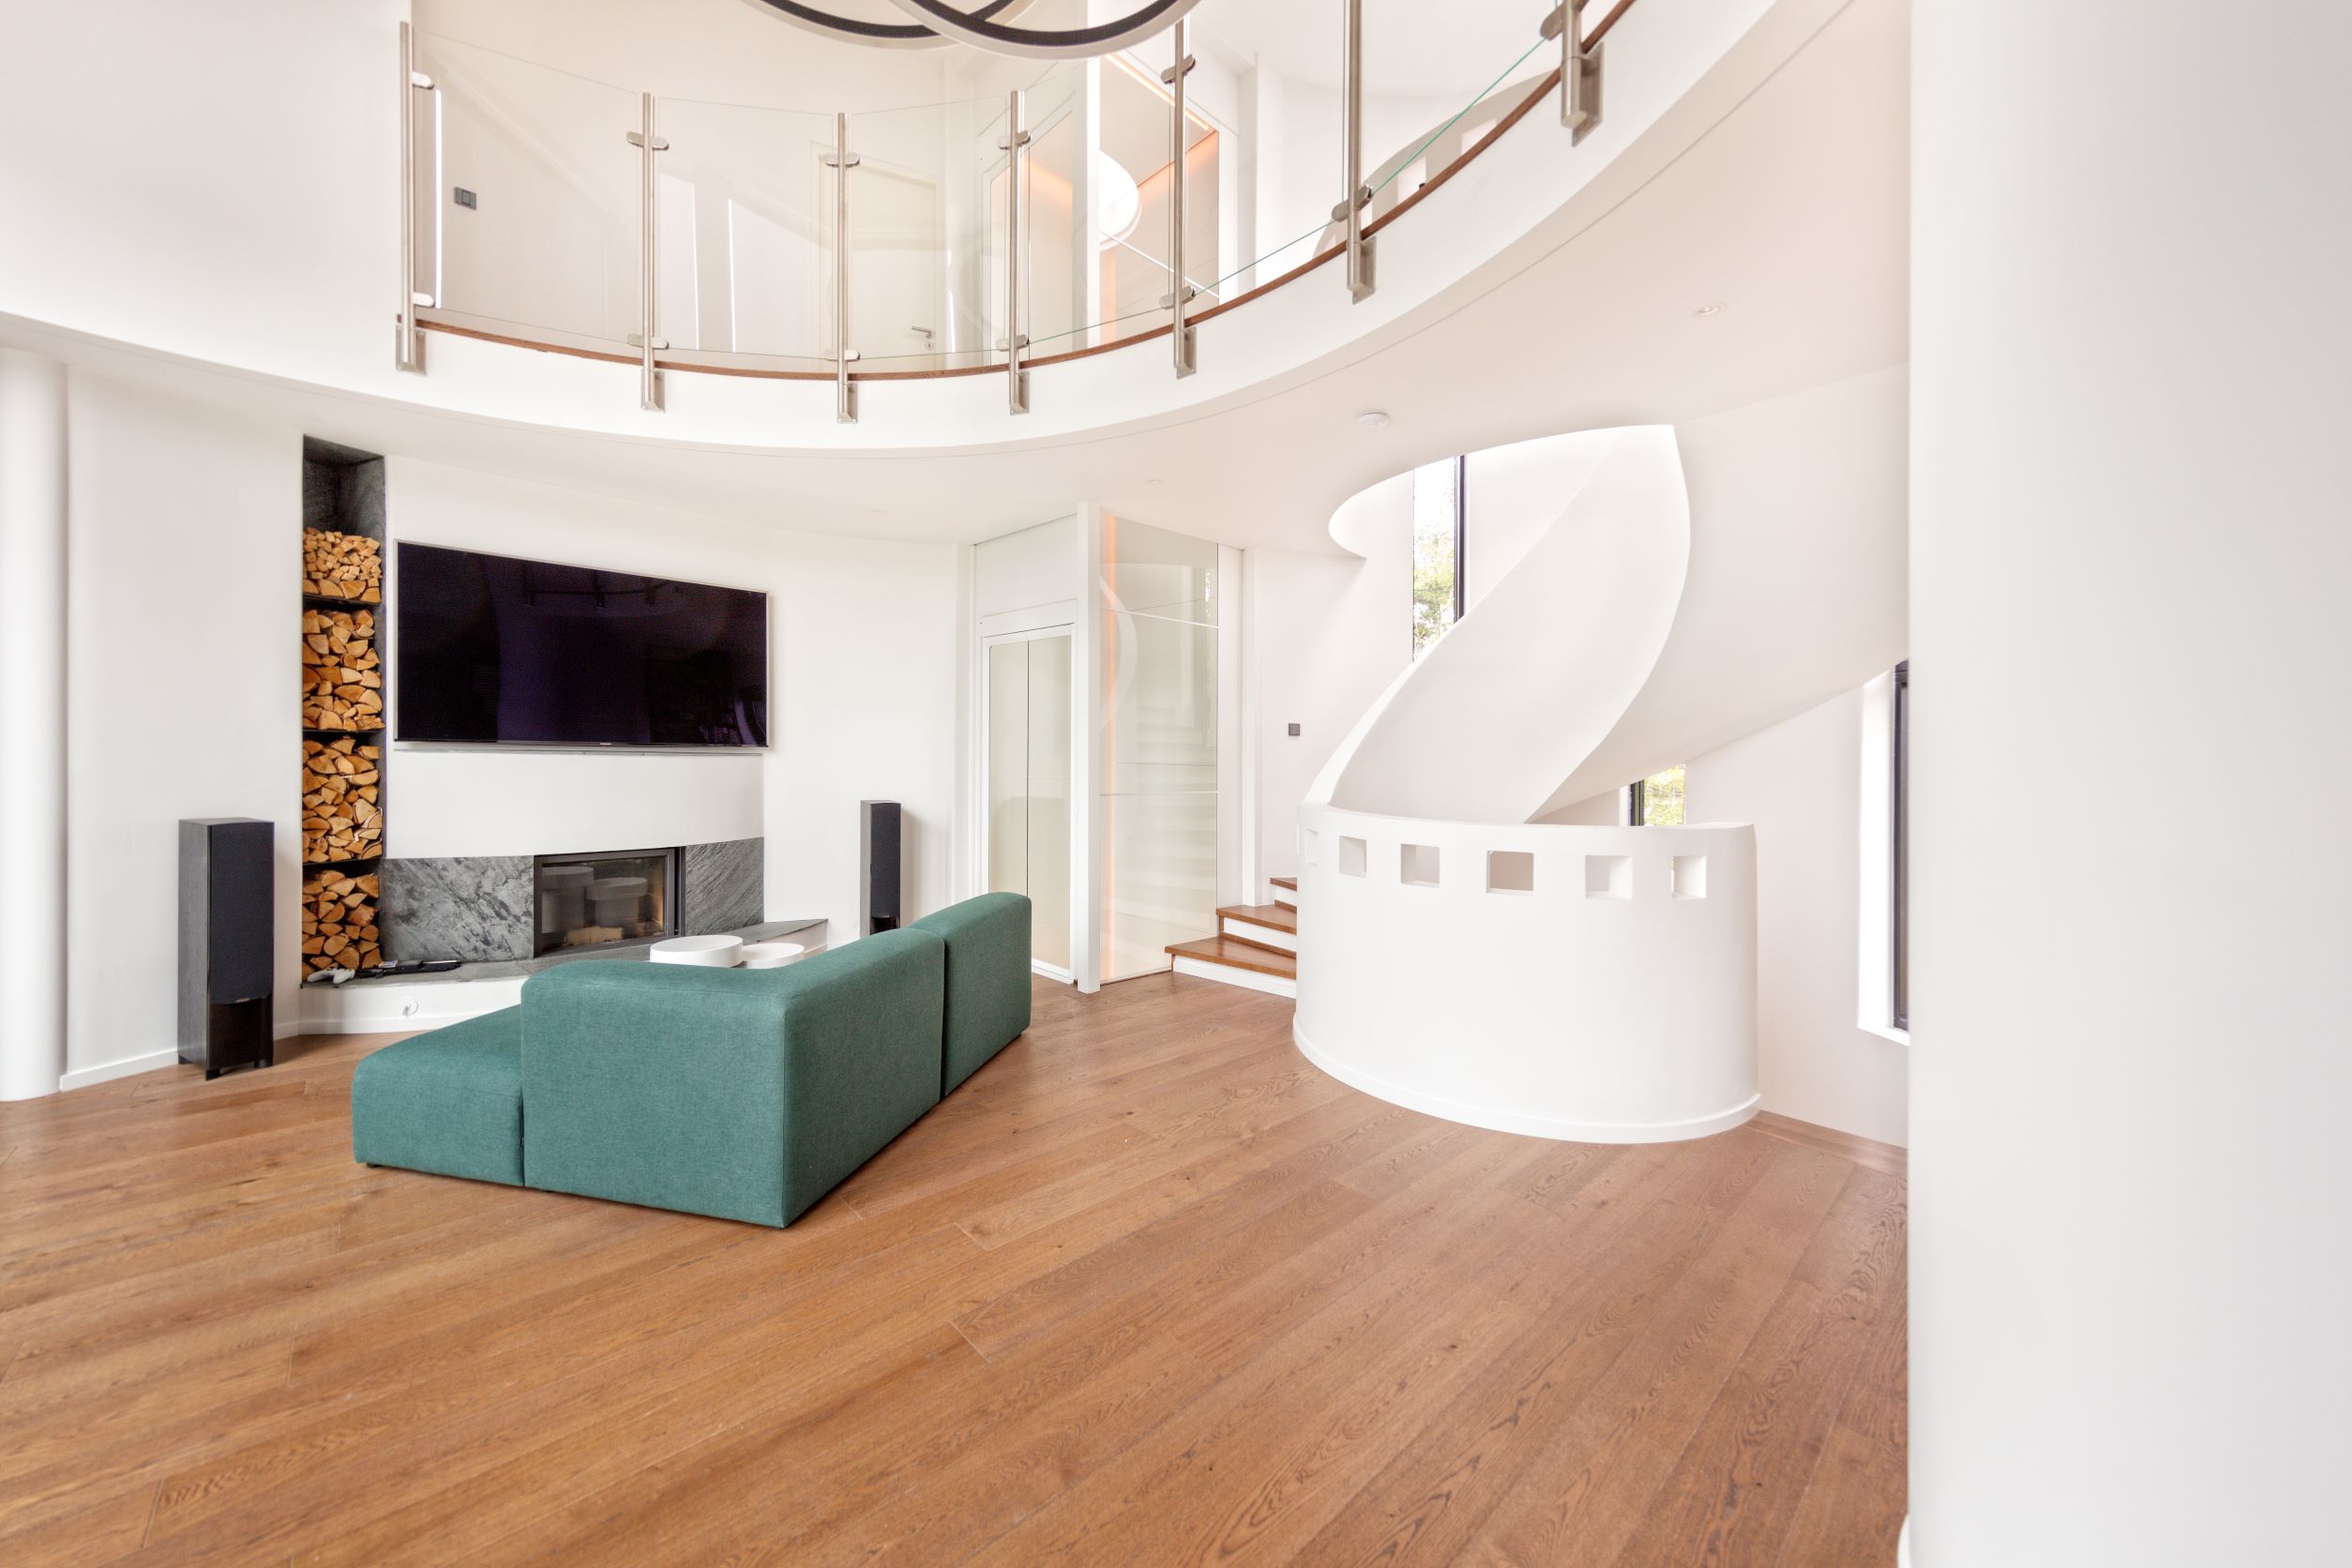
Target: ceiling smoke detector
(1713,307)
(1372,419)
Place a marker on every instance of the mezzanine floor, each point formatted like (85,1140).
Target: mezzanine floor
(1149,1288)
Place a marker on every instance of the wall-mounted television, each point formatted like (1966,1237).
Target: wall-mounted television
(491,650)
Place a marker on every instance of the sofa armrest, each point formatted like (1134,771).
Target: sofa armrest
(747,1094)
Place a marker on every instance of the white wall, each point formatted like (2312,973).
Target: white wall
(2131,1173)
(863,701)
(1326,636)
(1512,495)
(183,693)
(1799,782)
(1026,571)
(1796,584)
(183,697)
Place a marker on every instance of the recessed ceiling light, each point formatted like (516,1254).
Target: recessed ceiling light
(1372,419)
(1711,309)
(1154,480)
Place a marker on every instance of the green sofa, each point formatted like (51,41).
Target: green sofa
(742,1093)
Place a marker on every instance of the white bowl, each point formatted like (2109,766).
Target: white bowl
(773,954)
(710,952)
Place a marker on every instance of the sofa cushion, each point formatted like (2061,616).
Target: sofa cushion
(743,1094)
(449,1102)
(987,979)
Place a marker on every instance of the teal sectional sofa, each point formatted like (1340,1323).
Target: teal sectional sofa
(743,1094)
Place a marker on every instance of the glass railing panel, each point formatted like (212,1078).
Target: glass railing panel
(531,193)
(899,204)
(1517,69)
(742,266)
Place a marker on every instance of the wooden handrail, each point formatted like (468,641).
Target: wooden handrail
(758,372)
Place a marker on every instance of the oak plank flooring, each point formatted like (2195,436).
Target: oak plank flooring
(1147,1288)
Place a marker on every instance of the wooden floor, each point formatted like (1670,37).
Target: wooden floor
(1149,1288)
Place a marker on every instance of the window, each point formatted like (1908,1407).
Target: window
(1902,821)
(1657,800)
(1439,500)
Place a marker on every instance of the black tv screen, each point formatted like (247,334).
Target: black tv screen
(490,649)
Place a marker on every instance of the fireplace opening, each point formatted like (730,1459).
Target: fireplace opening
(604,899)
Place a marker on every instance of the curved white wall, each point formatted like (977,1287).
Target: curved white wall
(1628,1017)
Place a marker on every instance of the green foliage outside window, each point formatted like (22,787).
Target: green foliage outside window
(1662,798)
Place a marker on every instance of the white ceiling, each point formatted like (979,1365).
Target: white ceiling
(1791,210)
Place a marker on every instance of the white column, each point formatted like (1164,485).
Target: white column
(2132,647)
(32,725)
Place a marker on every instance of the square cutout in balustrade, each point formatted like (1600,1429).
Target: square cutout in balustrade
(1307,847)
(1352,857)
(1417,865)
(1509,871)
(1690,875)
(1608,876)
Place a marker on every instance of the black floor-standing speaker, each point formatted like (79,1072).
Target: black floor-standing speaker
(880,864)
(226,940)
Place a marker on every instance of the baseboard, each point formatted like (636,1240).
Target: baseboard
(1891,1159)
(130,1067)
(1531,1126)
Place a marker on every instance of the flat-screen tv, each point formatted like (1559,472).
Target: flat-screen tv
(490,650)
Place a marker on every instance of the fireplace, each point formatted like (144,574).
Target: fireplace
(604,900)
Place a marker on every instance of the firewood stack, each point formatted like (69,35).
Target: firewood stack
(339,922)
(342,687)
(342,818)
(342,565)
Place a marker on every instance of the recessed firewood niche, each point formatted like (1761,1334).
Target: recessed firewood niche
(344,710)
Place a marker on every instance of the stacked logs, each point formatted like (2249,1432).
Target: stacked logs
(342,687)
(342,565)
(339,922)
(342,816)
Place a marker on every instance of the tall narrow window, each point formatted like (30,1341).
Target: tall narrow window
(1439,514)
(1902,817)
(1657,800)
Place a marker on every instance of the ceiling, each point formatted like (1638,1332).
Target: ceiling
(1789,211)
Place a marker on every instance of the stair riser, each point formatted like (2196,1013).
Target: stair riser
(1249,980)
(1263,936)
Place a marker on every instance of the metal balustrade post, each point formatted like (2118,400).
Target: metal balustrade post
(1579,69)
(841,160)
(1180,290)
(649,146)
(408,343)
(1351,206)
(1016,340)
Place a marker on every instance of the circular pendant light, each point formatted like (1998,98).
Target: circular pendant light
(989,26)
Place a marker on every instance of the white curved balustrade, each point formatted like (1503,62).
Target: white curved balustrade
(1595,984)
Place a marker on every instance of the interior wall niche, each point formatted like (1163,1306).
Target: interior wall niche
(343,707)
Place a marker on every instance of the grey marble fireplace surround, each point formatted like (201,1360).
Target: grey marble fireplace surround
(477,908)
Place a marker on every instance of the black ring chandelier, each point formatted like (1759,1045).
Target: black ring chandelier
(989,26)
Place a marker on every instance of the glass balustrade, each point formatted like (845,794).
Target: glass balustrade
(530,206)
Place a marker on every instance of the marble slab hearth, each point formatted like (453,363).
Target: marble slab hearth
(475,909)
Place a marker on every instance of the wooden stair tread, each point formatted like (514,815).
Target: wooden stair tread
(1276,917)
(1238,955)
(1288,884)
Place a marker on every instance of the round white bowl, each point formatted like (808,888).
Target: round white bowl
(773,954)
(708,952)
